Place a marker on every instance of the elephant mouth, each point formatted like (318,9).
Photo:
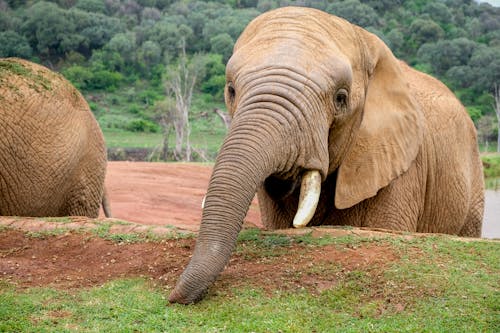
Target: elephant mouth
(279,188)
(309,185)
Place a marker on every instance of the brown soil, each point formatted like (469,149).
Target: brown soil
(161,193)
(154,195)
(75,260)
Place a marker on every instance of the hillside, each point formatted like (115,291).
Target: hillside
(119,53)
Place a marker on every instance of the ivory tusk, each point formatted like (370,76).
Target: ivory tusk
(203,202)
(310,190)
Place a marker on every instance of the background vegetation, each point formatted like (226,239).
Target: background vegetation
(120,52)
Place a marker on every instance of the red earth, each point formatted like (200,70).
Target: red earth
(154,195)
(162,193)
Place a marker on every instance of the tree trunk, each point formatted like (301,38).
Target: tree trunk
(226,119)
(166,135)
(497,112)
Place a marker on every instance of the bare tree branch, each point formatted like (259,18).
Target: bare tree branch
(181,86)
(226,118)
(496,95)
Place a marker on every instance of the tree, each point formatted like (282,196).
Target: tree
(222,44)
(438,12)
(497,112)
(48,29)
(180,83)
(486,129)
(355,12)
(425,30)
(150,53)
(165,113)
(14,45)
(446,54)
(96,6)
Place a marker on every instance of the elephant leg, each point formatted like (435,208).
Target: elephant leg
(474,221)
(85,196)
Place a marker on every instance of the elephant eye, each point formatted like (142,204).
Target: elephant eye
(230,91)
(341,100)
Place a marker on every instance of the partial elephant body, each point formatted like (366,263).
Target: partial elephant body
(316,100)
(52,152)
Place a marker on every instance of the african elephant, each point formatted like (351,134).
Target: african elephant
(320,102)
(52,151)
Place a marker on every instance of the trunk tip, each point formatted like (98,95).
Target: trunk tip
(182,296)
(176,297)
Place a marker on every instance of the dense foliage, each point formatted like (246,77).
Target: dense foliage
(114,45)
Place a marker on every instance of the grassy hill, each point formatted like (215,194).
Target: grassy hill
(322,280)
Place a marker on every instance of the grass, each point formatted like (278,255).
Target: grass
(117,111)
(116,138)
(451,286)
(38,81)
(491,165)
(491,169)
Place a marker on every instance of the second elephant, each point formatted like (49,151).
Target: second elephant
(52,151)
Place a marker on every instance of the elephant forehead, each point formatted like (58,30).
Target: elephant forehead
(312,27)
(286,56)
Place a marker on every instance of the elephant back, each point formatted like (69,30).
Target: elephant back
(48,135)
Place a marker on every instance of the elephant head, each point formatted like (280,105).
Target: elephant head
(310,95)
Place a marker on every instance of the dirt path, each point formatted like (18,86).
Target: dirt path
(161,193)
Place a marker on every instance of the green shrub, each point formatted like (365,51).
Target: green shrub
(474,112)
(113,121)
(106,80)
(134,108)
(149,96)
(215,86)
(80,76)
(491,165)
(142,125)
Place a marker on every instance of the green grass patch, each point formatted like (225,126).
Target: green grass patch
(252,243)
(491,169)
(104,231)
(57,219)
(12,67)
(48,233)
(491,165)
(439,284)
(116,138)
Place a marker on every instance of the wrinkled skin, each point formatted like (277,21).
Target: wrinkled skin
(309,91)
(52,152)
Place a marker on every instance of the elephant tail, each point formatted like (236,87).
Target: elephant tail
(105,204)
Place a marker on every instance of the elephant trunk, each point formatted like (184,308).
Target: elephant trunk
(246,159)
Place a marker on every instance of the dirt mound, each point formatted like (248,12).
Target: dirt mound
(79,259)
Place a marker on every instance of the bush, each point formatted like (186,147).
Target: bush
(474,113)
(106,80)
(491,165)
(134,108)
(80,76)
(142,125)
(149,96)
(113,121)
(215,86)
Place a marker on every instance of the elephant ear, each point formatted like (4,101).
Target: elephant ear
(390,133)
